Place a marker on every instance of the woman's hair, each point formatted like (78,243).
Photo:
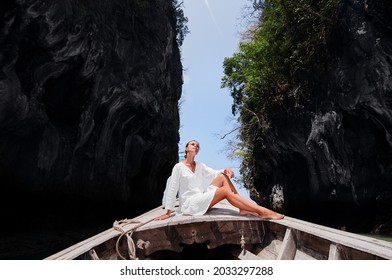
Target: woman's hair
(188,144)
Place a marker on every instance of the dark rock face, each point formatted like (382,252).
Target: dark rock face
(89,96)
(332,161)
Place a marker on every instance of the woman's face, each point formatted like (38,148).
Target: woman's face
(192,147)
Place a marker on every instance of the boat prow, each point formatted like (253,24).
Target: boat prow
(224,234)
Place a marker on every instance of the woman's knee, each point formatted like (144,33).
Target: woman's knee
(220,194)
(224,179)
(225,190)
(219,180)
(224,176)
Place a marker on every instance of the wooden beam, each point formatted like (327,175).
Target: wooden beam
(244,254)
(288,248)
(334,253)
(372,246)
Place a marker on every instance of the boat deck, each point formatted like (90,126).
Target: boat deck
(288,238)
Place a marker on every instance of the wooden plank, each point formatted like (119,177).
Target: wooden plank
(299,255)
(84,246)
(74,249)
(372,246)
(245,255)
(223,211)
(288,248)
(271,251)
(334,252)
(216,232)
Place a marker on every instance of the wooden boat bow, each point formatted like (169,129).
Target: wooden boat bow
(242,236)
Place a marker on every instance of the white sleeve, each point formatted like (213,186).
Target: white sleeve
(164,193)
(209,173)
(172,186)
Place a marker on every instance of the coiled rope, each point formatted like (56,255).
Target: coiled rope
(118,225)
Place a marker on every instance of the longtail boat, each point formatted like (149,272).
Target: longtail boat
(224,234)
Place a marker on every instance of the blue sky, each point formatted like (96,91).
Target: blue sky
(205,109)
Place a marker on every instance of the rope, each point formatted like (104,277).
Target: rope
(118,225)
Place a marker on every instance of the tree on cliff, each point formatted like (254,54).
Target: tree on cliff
(273,66)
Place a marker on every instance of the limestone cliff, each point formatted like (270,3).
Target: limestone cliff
(89,116)
(331,161)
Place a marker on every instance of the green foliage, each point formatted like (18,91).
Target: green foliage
(181,22)
(273,68)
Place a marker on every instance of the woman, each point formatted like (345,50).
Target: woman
(200,187)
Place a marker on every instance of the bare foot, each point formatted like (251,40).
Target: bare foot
(244,213)
(271,215)
(277,216)
(266,213)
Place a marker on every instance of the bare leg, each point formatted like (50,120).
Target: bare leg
(244,213)
(226,190)
(234,190)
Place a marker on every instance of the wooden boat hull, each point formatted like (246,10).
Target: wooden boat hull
(222,233)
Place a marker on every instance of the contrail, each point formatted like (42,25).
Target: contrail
(213,17)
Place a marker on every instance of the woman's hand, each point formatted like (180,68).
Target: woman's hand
(164,216)
(229,172)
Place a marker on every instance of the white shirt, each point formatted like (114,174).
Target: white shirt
(194,189)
